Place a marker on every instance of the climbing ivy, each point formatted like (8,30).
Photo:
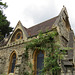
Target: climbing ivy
(49,44)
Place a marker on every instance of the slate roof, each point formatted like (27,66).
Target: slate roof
(44,26)
(4,41)
(32,31)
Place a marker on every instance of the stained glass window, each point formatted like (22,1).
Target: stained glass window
(13,63)
(18,36)
(40,62)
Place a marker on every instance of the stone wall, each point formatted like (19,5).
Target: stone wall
(27,65)
(5,58)
(22,66)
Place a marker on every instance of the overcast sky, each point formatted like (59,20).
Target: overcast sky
(32,12)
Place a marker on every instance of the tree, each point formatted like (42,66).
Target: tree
(1,37)
(4,23)
(2,5)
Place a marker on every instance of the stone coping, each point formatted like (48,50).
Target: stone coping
(22,41)
(13,44)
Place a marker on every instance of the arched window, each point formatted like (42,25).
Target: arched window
(38,62)
(12,62)
(18,35)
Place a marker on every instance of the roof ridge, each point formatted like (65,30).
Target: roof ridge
(44,26)
(42,22)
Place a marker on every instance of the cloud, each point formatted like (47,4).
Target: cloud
(40,12)
(32,12)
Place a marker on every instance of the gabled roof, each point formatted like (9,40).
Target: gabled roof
(44,26)
(32,31)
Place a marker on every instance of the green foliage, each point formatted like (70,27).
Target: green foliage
(41,41)
(2,5)
(3,74)
(4,23)
(48,43)
(1,36)
(26,54)
(26,73)
(31,67)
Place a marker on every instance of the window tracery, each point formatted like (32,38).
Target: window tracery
(12,63)
(17,35)
(38,62)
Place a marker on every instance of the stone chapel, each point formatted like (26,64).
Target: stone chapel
(12,48)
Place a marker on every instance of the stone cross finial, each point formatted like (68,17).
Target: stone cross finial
(5,35)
